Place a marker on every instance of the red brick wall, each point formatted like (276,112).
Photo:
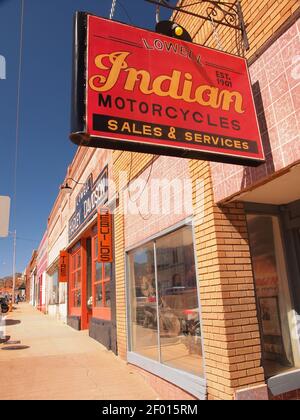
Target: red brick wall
(293,395)
(164,389)
(140,227)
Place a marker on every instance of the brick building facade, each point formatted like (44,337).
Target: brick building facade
(203,295)
(231,325)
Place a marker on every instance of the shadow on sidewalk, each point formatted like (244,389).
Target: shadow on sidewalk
(15,348)
(10,322)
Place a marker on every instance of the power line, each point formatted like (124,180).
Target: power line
(18,112)
(17,148)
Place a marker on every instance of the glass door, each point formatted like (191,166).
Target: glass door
(75,302)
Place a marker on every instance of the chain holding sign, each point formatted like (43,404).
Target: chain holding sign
(105,236)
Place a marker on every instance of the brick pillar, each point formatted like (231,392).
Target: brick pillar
(132,164)
(230,325)
(120,281)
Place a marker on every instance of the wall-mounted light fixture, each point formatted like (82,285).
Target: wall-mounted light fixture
(66,188)
(166,27)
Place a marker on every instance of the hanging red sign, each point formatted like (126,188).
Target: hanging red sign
(63,266)
(105,236)
(141,91)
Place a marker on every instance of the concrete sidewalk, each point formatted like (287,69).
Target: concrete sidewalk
(61,363)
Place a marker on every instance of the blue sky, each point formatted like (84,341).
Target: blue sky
(44,149)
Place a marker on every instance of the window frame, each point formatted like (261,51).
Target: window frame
(195,385)
(55,301)
(100,312)
(259,209)
(75,310)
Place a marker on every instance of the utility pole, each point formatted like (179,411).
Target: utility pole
(14,265)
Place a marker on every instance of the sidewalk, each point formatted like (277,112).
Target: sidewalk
(61,363)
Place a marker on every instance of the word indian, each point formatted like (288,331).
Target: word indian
(176,86)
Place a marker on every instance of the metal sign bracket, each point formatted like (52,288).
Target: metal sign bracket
(221,12)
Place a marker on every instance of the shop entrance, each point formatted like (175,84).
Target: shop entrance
(75,287)
(92,292)
(274,234)
(103,321)
(80,288)
(86,286)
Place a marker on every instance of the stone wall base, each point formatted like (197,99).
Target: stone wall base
(164,389)
(259,393)
(289,396)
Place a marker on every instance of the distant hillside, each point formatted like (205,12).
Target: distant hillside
(7,282)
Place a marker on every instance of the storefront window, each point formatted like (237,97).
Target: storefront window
(62,293)
(180,332)
(273,296)
(102,283)
(75,283)
(54,288)
(144,330)
(164,307)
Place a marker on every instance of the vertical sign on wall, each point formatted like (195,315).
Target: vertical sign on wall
(105,241)
(63,266)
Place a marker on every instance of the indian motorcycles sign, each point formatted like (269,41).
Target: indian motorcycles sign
(137,90)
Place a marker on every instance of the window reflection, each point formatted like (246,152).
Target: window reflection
(77,279)
(143,298)
(107,271)
(54,289)
(107,294)
(77,298)
(98,271)
(98,295)
(102,274)
(175,309)
(180,333)
(272,293)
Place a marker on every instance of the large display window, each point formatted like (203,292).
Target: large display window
(53,294)
(163,303)
(279,339)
